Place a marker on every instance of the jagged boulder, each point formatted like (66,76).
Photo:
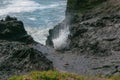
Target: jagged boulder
(17,58)
(18,54)
(12,29)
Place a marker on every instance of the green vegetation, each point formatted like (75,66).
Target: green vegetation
(55,75)
(47,75)
(116,77)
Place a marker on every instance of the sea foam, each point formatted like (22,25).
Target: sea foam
(18,6)
(38,32)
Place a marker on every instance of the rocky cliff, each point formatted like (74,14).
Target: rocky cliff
(17,52)
(94,27)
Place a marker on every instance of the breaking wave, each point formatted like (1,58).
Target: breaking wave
(38,15)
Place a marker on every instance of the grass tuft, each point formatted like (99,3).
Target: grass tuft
(55,75)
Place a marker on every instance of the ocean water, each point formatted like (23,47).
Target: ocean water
(38,15)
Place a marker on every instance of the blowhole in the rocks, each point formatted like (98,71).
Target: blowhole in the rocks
(61,42)
(58,37)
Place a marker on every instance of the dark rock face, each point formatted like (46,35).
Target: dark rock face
(13,30)
(82,5)
(49,41)
(17,52)
(98,36)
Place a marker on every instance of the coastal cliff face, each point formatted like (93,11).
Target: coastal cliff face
(85,18)
(94,27)
(17,52)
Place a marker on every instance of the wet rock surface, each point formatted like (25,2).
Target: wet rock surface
(74,62)
(17,52)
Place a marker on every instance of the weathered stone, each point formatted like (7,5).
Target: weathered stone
(18,54)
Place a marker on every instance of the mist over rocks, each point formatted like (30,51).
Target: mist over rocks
(18,54)
(58,36)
